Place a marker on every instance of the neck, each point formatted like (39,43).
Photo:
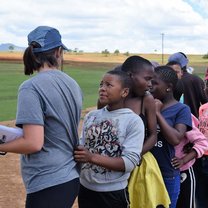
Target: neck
(46,67)
(168,101)
(115,106)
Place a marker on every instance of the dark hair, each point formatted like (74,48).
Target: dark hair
(135,64)
(118,68)
(123,76)
(185,67)
(33,61)
(183,54)
(167,74)
(171,63)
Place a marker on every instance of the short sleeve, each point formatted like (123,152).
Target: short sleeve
(29,109)
(184,117)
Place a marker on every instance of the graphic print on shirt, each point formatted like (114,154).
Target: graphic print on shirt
(102,138)
(203,119)
(159,142)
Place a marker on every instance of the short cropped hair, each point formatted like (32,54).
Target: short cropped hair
(135,64)
(123,76)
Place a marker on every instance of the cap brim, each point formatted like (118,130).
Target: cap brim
(64,47)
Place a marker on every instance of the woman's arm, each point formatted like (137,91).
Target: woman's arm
(197,138)
(150,114)
(31,142)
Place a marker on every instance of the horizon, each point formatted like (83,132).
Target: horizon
(129,25)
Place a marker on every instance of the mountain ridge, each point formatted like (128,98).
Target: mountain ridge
(10,47)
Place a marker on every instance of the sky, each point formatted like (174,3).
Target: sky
(136,26)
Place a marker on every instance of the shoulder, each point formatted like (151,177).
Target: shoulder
(197,79)
(183,115)
(149,101)
(27,84)
(192,77)
(94,112)
(183,107)
(148,98)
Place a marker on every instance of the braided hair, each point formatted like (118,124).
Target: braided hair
(167,74)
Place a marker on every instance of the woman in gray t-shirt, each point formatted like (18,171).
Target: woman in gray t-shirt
(48,111)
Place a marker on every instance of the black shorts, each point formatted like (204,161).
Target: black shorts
(112,199)
(59,196)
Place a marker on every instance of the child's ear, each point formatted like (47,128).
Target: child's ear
(125,92)
(170,87)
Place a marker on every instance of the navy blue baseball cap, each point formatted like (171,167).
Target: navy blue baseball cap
(180,58)
(46,37)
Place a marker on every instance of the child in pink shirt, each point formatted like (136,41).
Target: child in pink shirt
(192,146)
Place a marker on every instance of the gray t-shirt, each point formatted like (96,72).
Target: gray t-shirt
(54,100)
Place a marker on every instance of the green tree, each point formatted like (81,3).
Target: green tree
(76,50)
(116,52)
(11,48)
(205,56)
(105,52)
(126,54)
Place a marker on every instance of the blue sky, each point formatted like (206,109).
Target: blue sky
(199,6)
(127,25)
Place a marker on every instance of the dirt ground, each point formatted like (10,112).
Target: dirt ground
(12,193)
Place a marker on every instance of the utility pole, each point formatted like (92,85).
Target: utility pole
(162,34)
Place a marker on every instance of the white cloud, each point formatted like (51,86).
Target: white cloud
(127,25)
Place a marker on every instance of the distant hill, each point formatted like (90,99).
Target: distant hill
(10,47)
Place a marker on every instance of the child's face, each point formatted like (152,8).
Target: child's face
(111,91)
(159,88)
(142,80)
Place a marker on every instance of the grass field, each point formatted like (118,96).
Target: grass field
(87,69)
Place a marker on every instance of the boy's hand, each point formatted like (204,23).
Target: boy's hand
(158,105)
(81,154)
(177,162)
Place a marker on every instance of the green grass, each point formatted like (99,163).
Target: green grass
(89,80)
(11,76)
(87,74)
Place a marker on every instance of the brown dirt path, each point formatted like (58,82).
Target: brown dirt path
(12,193)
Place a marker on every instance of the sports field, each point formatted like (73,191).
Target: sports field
(87,69)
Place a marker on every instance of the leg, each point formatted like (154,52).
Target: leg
(186,197)
(173,188)
(201,174)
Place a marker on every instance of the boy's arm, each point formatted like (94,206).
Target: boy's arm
(131,150)
(150,113)
(179,162)
(199,141)
(172,135)
(81,154)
